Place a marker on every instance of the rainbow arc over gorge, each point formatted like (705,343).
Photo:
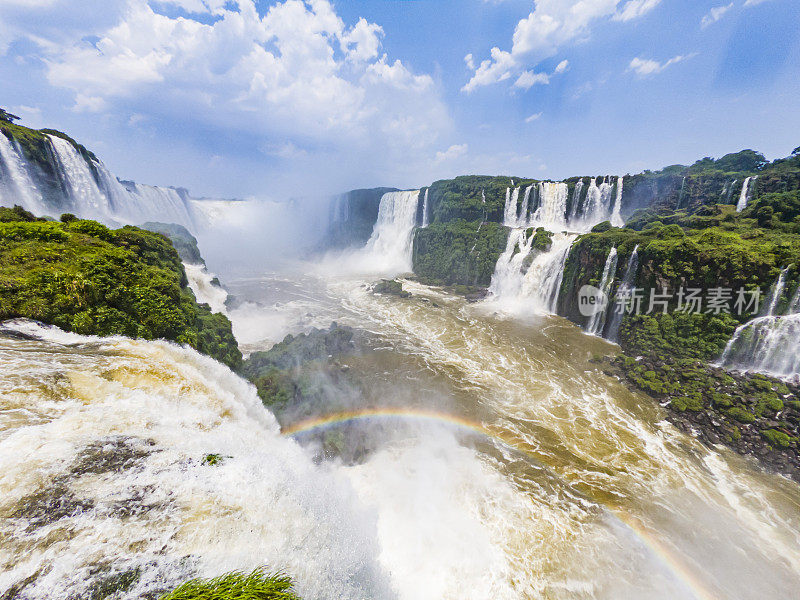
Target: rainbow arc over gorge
(660,549)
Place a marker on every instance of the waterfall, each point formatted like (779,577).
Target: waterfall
(597,320)
(744,195)
(770,343)
(85,188)
(507,276)
(425,217)
(523,212)
(16,185)
(390,246)
(616,217)
(551,213)
(680,193)
(576,200)
(85,197)
(510,209)
(542,280)
(205,288)
(625,288)
(597,205)
(771,305)
(730,191)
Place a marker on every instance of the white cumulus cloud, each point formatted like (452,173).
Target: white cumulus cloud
(645,66)
(550,25)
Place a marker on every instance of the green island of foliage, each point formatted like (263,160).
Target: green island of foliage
(257,585)
(458,252)
(84,277)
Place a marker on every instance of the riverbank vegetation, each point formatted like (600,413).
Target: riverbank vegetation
(84,277)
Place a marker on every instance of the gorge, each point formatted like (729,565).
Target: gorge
(464,439)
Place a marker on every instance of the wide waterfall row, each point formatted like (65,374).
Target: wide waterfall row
(770,343)
(84,188)
(528,279)
(390,247)
(547,204)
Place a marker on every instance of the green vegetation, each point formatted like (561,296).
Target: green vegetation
(458,252)
(296,371)
(84,277)
(236,586)
(36,146)
(183,241)
(390,287)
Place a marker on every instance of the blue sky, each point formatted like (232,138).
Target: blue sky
(273,99)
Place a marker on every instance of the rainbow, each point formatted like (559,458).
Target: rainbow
(668,558)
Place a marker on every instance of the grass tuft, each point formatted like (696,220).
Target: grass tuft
(236,585)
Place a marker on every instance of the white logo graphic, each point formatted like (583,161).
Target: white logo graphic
(591,300)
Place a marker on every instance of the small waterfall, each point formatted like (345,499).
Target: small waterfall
(425,217)
(340,209)
(616,217)
(552,209)
(523,212)
(576,200)
(730,192)
(597,320)
(85,197)
(507,276)
(680,193)
(597,205)
(16,184)
(205,289)
(625,288)
(769,343)
(542,280)
(390,246)
(771,305)
(510,209)
(744,195)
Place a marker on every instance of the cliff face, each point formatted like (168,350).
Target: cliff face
(353,216)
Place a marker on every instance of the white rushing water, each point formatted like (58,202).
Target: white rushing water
(616,216)
(84,195)
(16,184)
(596,322)
(425,217)
(526,279)
(769,343)
(86,189)
(745,194)
(205,289)
(389,248)
(625,288)
(101,472)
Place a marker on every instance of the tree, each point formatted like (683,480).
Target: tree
(7,116)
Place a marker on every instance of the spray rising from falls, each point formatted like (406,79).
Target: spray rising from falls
(389,249)
(598,319)
(770,343)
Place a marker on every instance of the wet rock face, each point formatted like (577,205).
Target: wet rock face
(58,499)
(753,414)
